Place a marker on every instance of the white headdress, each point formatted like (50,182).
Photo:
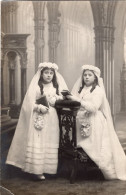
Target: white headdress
(120,163)
(60,79)
(96,71)
(48,65)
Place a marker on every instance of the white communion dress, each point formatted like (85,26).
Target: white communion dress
(37,151)
(102,145)
(42,146)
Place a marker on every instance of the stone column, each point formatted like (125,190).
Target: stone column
(54,28)
(104,12)
(2,64)
(12,64)
(2,96)
(23,83)
(123,87)
(39,8)
(53,40)
(23,62)
(104,39)
(39,41)
(12,86)
(8,15)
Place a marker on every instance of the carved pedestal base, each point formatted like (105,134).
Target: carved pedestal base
(67,111)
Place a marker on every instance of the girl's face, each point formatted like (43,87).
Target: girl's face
(47,75)
(88,77)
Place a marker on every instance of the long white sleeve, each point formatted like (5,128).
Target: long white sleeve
(93,103)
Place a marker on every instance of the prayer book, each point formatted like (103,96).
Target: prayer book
(43,101)
(65,92)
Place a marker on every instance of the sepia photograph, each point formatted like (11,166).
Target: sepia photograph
(63,97)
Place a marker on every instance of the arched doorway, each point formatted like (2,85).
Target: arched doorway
(14,65)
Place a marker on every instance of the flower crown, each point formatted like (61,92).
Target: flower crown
(95,69)
(48,65)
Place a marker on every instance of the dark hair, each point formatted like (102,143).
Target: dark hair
(54,80)
(93,85)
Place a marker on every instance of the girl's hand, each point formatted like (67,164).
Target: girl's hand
(72,97)
(42,109)
(69,97)
(59,97)
(52,101)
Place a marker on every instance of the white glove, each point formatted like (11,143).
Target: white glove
(59,97)
(40,108)
(72,97)
(52,101)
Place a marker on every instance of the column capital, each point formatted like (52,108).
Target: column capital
(11,60)
(53,43)
(12,65)
(103,12)
(104,33)
(39,23)
(54,26)
(39,42)
(39,7)
(39,27)
(53,10)
(123,73)
(9,7)
(23,62)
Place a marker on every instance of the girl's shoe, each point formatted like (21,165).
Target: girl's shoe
(39,178)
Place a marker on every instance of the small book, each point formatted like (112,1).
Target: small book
(43,101)
(65,92)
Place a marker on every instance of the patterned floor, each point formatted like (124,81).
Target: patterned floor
(60,186)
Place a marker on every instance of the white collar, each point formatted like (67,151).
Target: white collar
(48,84)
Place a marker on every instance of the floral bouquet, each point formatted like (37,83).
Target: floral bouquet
(84,121)
(38,121)
(85,129)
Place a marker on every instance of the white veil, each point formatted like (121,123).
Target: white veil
(118,153)
(19,141)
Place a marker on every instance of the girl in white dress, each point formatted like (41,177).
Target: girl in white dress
(95,131)
(34,147)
